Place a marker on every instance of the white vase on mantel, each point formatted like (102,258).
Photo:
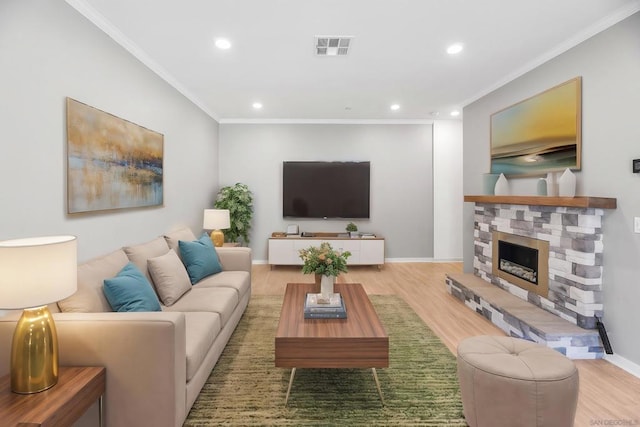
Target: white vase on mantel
(502,186)
(541,188)
(567,184)
(552,185)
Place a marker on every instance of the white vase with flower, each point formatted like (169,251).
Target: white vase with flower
(326,262)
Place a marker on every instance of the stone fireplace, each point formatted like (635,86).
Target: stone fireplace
(574,239)
(523,261)
(521,242)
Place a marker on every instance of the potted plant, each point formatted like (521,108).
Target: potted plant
(352,229)
(239,200)
(326,262)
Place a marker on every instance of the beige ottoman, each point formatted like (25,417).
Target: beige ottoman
(512,382)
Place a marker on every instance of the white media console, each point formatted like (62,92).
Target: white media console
(364,251)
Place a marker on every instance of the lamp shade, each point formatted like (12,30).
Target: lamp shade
(216,219)
(37,271)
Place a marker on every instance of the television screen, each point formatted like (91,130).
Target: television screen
(325,189)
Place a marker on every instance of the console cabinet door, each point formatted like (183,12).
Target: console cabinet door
(372,251)
(281,252)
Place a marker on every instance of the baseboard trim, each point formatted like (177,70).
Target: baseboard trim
(622,363)
(387,260)
(401,260)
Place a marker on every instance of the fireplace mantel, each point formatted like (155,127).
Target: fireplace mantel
(576,202)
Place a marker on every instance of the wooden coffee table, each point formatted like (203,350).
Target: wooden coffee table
(359,341)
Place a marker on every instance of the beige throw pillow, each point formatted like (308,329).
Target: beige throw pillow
(141,253)
(173,238)
(169,276)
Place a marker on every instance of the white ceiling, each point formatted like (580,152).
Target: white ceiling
(397,53)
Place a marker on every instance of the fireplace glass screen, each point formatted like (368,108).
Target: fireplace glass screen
(519,261)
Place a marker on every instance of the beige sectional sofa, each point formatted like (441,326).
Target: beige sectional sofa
(156,362)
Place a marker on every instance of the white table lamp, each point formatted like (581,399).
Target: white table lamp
(35,272)
(216,220)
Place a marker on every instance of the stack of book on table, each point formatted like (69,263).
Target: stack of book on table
(317,307)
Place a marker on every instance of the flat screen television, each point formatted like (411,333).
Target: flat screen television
(325,189)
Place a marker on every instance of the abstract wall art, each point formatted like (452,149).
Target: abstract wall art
(111,162)
(540,134)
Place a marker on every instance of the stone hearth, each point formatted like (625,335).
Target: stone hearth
(519,318)
(564,319)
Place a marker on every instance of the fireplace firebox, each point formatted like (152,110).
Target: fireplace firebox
(522,261)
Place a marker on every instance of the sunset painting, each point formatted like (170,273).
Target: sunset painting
(540,134)
(111,163)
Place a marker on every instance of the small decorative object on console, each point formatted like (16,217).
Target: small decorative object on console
(352,229)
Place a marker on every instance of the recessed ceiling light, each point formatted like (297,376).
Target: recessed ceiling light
(257,105)
(395,107)
(454,48)
(455,113)
(223,44)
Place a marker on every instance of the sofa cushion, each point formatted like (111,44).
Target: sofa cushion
(238,280)
(201,331)
(169,276)
(140,254)
(131,291)
(174,237)
(90,298)
(214,300)
(200,258)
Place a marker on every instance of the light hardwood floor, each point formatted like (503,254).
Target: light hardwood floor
(608,394)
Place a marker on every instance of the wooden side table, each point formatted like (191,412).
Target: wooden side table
(61,405)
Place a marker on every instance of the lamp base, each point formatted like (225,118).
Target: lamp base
(34,352)
(217,237)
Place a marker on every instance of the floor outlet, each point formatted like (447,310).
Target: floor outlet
(636,224)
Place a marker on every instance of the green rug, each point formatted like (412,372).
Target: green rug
(420,387)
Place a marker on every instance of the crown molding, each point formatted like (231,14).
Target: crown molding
(327,121)
(587,33)
(108,28)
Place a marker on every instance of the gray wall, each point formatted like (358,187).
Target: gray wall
(49,52)
(401,177)
(609,64)
(447,190)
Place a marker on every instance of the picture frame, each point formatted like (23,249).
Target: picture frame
(112,163)
(540,134)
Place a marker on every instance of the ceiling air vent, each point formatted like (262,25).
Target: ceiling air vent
(332,45)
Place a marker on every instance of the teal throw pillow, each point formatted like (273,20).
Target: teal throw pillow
(200,258)
(131,291)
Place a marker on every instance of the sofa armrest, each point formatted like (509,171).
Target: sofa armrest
(144,357)
(235,258)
